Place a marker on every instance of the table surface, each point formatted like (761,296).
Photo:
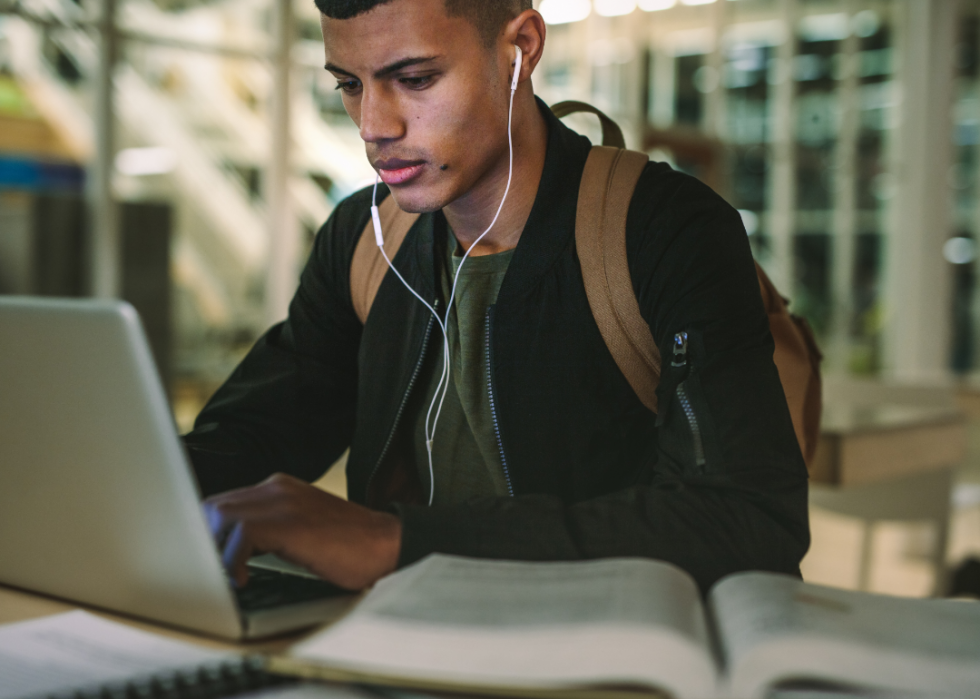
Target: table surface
(845,418)
(864,444)
(20,605)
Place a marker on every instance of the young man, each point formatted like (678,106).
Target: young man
(543,451)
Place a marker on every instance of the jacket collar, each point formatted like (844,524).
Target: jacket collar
(550,226)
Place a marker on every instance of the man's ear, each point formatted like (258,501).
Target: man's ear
(528,31)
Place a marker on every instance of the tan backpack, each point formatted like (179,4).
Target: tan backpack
(610,177)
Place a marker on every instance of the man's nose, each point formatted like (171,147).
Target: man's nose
(380,117)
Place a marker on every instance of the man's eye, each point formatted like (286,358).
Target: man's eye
(416,83)
(349,86)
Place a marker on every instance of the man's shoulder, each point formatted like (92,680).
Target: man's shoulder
(668,203)
(679,225)
(662,187)
(353,212)
(338,236)
(335,242)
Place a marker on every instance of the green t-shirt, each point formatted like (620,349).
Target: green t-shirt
(465,453)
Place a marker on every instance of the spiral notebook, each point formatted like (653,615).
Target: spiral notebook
(80,654)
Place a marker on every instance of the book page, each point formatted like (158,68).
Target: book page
(504,623)
(469,592)
(775,627)
(79,649)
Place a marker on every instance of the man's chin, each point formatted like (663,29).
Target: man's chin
(417,202)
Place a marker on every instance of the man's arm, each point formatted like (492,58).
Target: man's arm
(289,406)
(348,544)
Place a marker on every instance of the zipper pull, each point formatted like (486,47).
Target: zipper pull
(674,378)
(680,350)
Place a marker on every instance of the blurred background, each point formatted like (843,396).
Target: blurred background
(181,154)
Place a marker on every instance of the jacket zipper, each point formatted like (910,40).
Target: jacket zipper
(401,408)
(493,408)
(680,360)
(692,420)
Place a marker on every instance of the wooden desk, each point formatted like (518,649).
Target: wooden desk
(19,605)
(862,444)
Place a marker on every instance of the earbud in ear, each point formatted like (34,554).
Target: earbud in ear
(518,64)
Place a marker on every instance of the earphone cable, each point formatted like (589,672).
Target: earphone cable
(443,386)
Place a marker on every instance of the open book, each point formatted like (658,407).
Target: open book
(610,627)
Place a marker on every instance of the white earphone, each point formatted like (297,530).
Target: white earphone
(518,64)
(444,378)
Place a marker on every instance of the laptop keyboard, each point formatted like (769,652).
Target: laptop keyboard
(267,589)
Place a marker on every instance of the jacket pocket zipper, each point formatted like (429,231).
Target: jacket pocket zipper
(680,360)
(692,420)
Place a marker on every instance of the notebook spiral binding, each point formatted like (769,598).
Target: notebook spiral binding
(209,681)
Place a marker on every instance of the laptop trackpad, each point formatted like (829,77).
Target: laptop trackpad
(270,561)
(274,583)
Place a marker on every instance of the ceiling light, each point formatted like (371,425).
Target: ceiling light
(960,251)
(614,8)
(138,162)
(564,11)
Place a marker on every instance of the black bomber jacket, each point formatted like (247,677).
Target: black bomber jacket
(714,483)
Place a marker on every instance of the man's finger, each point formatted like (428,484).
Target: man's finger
(237,550)
(218,521)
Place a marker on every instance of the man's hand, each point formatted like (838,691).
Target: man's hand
(348,544)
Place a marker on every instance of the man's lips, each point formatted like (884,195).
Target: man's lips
(396,171)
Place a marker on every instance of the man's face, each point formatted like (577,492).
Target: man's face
(425,93)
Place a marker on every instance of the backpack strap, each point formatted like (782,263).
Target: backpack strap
(612,135)
(605,192)
(368,266)
(797,360)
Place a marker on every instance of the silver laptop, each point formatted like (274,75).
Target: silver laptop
(97,500)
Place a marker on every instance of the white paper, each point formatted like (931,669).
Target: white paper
(79,649)
(535,625)
(459,592)
(775,628)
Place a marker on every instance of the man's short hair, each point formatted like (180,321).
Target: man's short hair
(487,15)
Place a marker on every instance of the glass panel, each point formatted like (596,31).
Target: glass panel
(689,98)
(964,180)
(816,69)
(748,132)
(875,186)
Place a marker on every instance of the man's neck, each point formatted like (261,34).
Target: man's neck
(470,215)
